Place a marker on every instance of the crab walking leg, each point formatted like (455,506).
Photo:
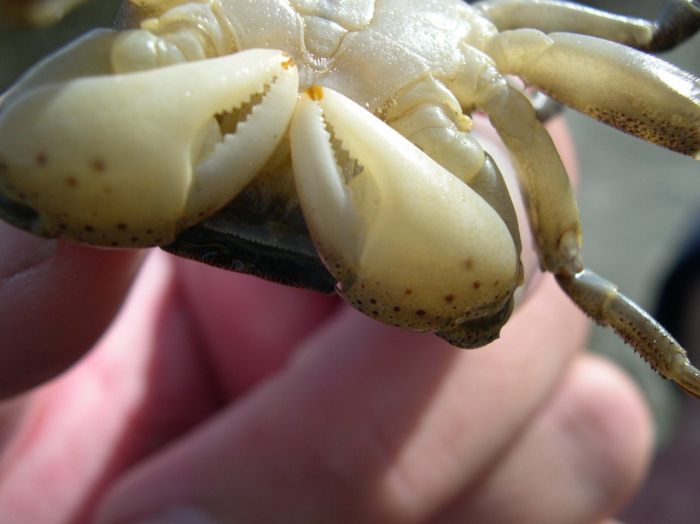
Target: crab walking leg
(551,205)
(677,21)
(635,92)
(608,307)
(128,160)
(371,198)
(556,228)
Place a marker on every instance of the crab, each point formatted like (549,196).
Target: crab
(326,144)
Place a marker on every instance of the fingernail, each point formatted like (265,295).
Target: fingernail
(20,250)
(178,515)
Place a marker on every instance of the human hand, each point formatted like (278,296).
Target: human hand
(222,396)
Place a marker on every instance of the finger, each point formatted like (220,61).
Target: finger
(367,424)
(142,385)
(577,462)
(145,383)
(248,326)
(56,299)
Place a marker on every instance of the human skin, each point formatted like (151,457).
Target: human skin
(221,397)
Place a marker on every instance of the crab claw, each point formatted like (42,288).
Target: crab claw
(409,243)
(130,159)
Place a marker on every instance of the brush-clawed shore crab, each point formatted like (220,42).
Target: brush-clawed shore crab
(325,144)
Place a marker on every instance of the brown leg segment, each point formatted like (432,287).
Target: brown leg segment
(602,301)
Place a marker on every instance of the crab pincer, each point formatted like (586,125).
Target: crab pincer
(407,241)
(128,160)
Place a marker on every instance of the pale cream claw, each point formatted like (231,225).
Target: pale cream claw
(633,91)
(129,160)
(409,243)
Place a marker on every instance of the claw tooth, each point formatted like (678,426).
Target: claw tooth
(409,243)
(319,178)
(93,152)
(240,155)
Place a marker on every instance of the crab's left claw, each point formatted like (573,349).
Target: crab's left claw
(130,159)
(409,243)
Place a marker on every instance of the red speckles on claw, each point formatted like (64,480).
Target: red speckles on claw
(409,243)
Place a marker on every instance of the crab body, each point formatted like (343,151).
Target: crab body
(319,142)
(365,50)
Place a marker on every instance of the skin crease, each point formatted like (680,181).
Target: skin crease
(252,402)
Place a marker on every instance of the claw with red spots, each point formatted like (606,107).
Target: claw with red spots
(409,243)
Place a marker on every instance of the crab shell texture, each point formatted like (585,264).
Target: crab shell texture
(342,128)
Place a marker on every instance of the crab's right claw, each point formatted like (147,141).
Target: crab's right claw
(130,159)
(409,243)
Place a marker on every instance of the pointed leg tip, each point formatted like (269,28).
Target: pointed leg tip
(687,377)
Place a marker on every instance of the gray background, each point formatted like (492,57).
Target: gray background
(638,203)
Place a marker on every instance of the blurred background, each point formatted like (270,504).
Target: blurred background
(638,205)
